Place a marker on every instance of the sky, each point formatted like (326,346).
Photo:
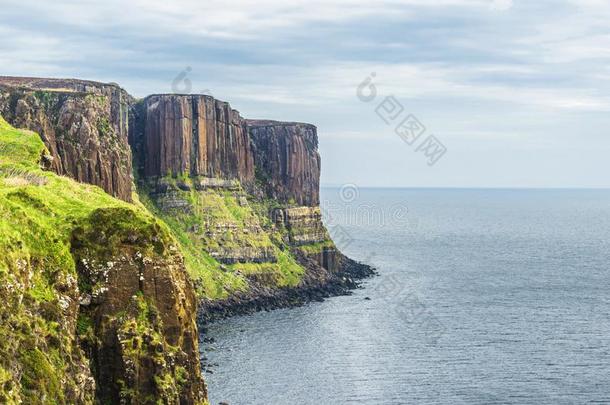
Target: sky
(515,93)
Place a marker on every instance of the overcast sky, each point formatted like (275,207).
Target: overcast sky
(516,91)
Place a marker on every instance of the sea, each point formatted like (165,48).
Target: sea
(483,296)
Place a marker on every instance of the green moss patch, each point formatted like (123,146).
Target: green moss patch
(318,247)
(40,357)
(215,225)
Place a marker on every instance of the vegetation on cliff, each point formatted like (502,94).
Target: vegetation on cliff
(47,338)
(227,244)
(83,125)
(101,294)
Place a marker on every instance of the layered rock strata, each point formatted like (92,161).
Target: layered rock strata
(287,166)
(202,166)
(240,198)
(303,224)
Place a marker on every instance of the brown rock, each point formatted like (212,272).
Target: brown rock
(304,224)
(194,135)
(83,124)
(143,311)
(287,160)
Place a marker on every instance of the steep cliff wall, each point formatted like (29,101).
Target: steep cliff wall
(287,165)
(83,124)
(191,135)
(140,304)
(106,279)
(242,196)
(287,161)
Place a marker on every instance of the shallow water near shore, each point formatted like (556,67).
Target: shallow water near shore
(483,296)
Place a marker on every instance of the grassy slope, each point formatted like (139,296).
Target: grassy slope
(39,356)
(208,209)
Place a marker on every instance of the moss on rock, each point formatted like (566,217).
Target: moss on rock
(229,242)
(43,323)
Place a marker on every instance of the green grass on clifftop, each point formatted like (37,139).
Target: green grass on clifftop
(40,359)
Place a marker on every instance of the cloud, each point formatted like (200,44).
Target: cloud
(422,48)
(501,5)
(463,66)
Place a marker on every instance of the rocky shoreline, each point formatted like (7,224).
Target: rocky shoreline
(315,288)
(229,223)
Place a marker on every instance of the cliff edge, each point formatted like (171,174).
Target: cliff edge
(83,124)
(243,196)
(160,211)
(97,302)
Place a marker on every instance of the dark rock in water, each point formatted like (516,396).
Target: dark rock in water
(367,298)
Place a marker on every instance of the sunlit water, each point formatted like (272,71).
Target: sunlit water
(484,296)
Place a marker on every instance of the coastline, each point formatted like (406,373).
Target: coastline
(193,221)
(318,285)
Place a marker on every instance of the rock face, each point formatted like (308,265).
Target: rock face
(192,135)
(197,157)
(218,217)
(97,305)
(142,308)
(196,135)
(304,228)
(304,224)
(287,160)
(83,124)
(239,198)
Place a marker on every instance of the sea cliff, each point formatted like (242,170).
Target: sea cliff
(162,211)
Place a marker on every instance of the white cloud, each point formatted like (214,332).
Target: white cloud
(334,83)
(501,5)
(236,19)
(463,64)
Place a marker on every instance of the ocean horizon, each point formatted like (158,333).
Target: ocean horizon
(481,298)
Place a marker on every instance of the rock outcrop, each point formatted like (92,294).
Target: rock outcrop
(83,124)
(287,161)
(243,231)
(245,192)
(303,224)
(193,135)
(140,303)
(220,218)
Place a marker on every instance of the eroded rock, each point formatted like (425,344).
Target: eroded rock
(194,135)
(287,161)
(83,124)
(143,337)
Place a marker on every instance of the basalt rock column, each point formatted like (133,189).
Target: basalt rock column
(192,135)
(288,170)
(287,160)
